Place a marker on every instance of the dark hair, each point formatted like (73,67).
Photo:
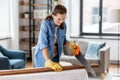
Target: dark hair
(58,9)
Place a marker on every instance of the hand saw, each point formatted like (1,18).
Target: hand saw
(81,58)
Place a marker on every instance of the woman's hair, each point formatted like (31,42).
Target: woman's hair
(58,9)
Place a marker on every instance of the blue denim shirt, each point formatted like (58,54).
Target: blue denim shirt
(46,40)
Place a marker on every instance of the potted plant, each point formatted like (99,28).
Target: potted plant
(55,2)
(26,14)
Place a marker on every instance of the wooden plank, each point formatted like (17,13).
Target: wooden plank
(37,70)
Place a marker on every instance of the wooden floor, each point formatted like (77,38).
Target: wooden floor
(29,64)
(114,68)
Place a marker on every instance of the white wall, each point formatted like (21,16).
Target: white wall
(75,17)
(4,18)
(4,23)
(5,43)
(13,22)
(72,17)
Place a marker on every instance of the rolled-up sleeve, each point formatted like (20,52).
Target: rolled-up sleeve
(43,41)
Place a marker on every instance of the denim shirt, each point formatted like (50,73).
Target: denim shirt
(46,40)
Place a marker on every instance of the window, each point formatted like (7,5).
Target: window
(95,15)
(95,18)
(90,16)
(108,7)
(104,19)
(4,18)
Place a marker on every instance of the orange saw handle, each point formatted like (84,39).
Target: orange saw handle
(75,48)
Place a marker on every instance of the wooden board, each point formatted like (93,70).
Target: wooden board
(37,70)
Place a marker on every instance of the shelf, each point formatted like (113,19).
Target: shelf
(26,29)
(23,3)
(38,4)
(22,41)
(35,31)
(25,41)
(21,15)
(31,31)
(29,27)
(27,4)
(22,28)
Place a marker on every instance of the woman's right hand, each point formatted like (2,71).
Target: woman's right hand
(53,65)
(75,48)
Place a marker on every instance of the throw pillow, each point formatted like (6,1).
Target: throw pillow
(93,49)
(1,55)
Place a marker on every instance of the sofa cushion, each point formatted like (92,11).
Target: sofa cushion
(1,55)
(93,60)
(93,49)
(75,62)
(71,59)
(16,63)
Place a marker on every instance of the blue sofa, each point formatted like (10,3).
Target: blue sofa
(12,59)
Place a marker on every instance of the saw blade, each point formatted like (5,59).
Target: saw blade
(84,62)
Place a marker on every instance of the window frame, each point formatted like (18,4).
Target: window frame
(100,22)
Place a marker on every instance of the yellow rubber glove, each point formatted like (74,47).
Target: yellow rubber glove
(75,48)
(53,65)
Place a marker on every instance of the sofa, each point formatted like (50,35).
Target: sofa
(103,59)
(12,59)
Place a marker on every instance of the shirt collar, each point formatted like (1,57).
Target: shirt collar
(52,24)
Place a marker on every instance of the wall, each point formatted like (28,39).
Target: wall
(4,23)
(5,43)
(4,18)
(14,20)
(72,16)
(14,25)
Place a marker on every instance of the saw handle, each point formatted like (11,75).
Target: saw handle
(75,48)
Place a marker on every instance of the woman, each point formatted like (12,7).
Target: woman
(52,37)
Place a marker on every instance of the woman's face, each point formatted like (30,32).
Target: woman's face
(59,19)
